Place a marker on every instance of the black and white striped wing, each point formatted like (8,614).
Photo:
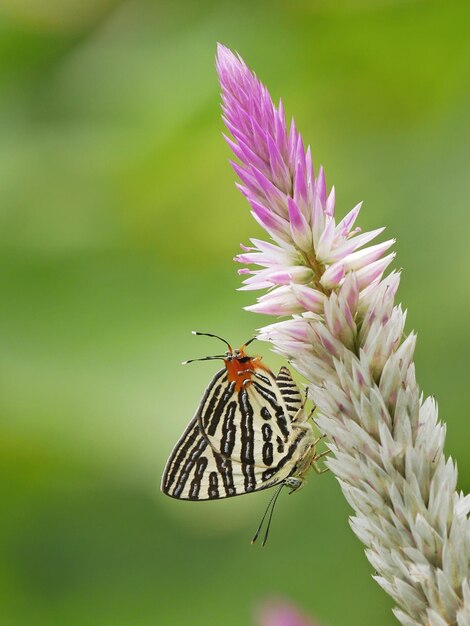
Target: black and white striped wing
(196,472)
(253,425)
(193,472)
(290,393)
(239,441)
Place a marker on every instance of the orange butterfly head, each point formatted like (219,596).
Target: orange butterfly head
(241,367)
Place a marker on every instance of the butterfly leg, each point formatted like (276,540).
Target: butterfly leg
(300,417)
(305,397)
(318,439)
(316,469)
(312,411)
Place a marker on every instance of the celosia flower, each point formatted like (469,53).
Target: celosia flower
(289,203)
(344,333)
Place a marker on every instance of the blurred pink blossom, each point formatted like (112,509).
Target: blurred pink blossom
(281,613)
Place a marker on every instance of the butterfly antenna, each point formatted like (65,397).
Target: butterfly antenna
(219,357)
(258,530)
(250,341)
(271,515)
(195,332)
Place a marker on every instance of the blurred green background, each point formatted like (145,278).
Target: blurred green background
(119,219)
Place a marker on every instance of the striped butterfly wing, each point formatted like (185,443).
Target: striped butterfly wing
(196,472)
(290,394)
(239,441)
(253,425)
(250,423)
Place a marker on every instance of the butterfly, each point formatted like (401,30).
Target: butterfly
(250,432)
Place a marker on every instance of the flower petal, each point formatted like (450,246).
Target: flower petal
(299,227)
(280,301)
(333,275)
(371,272)
(361,258)
(310,299)
(277,227)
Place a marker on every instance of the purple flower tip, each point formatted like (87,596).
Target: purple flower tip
(293,206)
(224,56)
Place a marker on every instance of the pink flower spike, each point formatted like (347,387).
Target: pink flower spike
(299,227)
(345,336)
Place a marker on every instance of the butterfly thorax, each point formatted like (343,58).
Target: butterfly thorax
(241,368)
